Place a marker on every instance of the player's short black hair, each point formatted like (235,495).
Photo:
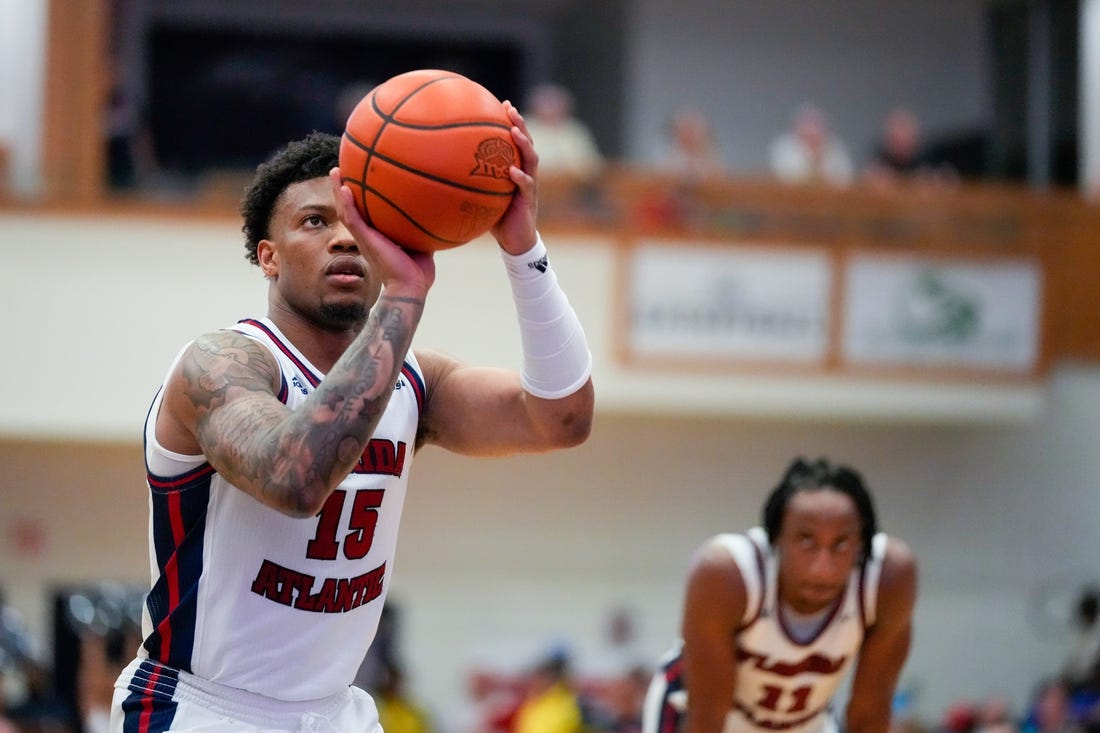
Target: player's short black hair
(803,475)
(301,160)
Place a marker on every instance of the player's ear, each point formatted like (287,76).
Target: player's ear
(269,261)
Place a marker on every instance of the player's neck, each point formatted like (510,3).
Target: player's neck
(321,346)
(804,626)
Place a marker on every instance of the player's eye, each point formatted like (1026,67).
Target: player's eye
(314,221)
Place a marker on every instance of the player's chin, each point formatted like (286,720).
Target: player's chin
(344,312)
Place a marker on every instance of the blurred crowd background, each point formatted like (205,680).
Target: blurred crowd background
(644,111)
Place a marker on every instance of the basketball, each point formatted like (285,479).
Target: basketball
(426,155)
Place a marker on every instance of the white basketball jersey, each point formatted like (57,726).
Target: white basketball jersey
(248,597)
(784,684)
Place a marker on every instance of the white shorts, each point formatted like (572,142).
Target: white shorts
(152,698)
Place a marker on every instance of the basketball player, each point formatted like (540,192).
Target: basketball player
(775,618)
(279,448)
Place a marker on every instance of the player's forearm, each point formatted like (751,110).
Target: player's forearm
(313,450)
(867,719)
(708,719)
(557,363)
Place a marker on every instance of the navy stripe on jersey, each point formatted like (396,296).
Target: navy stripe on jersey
(670,715)
(314,379)
(149,707)
(179,506)
(417,384)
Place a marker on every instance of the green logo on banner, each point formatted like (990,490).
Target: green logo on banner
(934,310)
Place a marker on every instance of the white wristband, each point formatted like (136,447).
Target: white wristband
(556,358)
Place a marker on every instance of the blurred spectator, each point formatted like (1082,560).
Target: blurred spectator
(617,706)
(899,155)
(397,712)
(690,159)
(20,669)
(105,621)
(1051,710)
(551,705)
(960,717)
(1081,671)
(692,153)
(809,152)
(7,725)
(494,697)
(898,150)
(994,715)
(131,160)
(565,144)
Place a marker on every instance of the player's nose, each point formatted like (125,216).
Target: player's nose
(341,239)
(826,565)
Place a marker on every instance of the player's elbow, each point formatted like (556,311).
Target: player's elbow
(305,509)
(575,429)
(299,502)
(573,425)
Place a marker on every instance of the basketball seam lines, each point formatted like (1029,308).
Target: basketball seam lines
(372,153)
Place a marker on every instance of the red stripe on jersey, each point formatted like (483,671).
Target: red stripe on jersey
(416,383)
(174,482)
(171,572)
(147,701)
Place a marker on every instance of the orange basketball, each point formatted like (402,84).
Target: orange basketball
(426,155)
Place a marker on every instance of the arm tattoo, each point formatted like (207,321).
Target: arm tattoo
(294,459)
(224,360)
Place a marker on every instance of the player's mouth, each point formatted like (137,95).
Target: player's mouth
(346,270)
(820,593)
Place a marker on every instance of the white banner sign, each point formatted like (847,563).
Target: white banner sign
(911,312)
(688,301)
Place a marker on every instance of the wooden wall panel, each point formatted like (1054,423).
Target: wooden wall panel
(74,149)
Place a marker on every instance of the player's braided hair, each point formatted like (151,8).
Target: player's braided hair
(302,160)
(802,475)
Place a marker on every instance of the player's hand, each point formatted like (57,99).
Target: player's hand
(515,231)
(394,265)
